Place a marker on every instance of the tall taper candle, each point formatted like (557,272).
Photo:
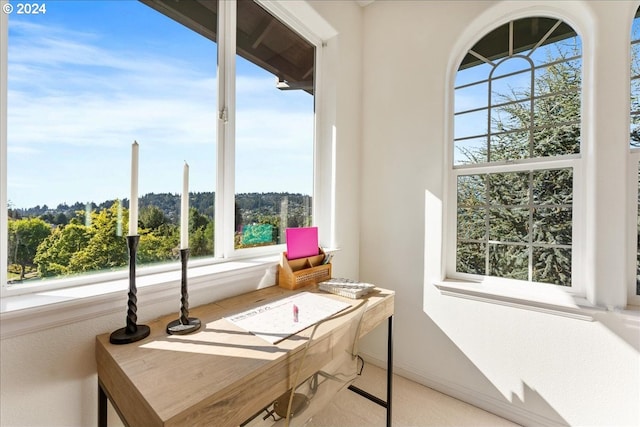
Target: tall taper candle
(184,209)
(133,202)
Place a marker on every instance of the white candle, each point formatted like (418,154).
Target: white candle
(133,202)
(184,209)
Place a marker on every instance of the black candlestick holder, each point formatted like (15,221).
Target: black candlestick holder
(132,332)
(185,324)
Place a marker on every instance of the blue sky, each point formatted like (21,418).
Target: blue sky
(89,77)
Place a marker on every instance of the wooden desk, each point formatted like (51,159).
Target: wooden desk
(220,375)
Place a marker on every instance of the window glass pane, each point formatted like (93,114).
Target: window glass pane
(552,265)
(479,71)
(557,109)
(471,190)
(510,261)
(509,225)
(471,97)
(512,74)
(85,80)
(552,225)
(510,146)
(509,189)
(511,81)
(471,124)
(510,117)
(470,150)
(634,130)
(568,48)
(635,52)
(556,140)
(553,187)
(274,128)
(470,258)
(472,224)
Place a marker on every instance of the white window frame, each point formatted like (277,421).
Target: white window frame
(230,271)
(561,162)
(4,217)
(226,127)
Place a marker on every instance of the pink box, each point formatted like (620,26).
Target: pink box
(302,242)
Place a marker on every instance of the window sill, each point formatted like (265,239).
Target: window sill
(544,298)
(22,314)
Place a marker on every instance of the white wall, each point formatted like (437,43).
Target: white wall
(345,62)
(535,368)
(48,378)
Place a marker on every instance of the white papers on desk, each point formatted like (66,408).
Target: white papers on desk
(275,321)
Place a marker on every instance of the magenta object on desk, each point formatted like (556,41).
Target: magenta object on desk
(302,242)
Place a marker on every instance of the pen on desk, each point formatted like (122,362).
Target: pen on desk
(295,313)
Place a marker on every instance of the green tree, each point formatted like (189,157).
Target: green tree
(105,249)
(56,251)
(157,247)
(88,237)
(60,219)
(152,217)
(200,234)
(25,235)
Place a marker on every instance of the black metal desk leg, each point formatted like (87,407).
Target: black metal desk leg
(370,396)
(102,407)
(389,368)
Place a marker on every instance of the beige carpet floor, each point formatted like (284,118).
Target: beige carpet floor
(413,406)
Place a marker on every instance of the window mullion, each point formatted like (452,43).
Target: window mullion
(4,33)
(487,226)
(225,185)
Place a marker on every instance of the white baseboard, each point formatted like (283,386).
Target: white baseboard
(458,391)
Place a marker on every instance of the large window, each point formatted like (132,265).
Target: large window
(515,152)
(87,79)
(274,131)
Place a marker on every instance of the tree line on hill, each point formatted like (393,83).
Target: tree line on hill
(66,240)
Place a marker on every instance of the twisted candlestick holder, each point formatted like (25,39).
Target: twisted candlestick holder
(132,332)
(185,324)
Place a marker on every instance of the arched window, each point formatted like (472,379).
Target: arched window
(515,151)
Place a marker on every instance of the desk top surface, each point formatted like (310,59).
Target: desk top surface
(219,375)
